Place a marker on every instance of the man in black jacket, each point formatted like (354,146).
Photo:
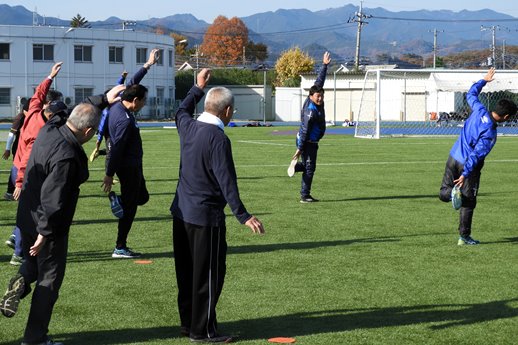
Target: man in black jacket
(57,167)
(207,182)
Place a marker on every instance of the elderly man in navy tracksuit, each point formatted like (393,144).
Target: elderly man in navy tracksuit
(207,182)
(467,155)
(312,129)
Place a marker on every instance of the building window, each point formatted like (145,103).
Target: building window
(141,55)
(5,95)
(4,51)
(160,61)
(170,58)
(159,95)
(43,52)
(115,55)
(80,93)
(83,53)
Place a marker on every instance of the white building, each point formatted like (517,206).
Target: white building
(93,60)
(397,95)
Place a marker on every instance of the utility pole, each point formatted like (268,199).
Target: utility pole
(359,18)
(435,31)
(493,29)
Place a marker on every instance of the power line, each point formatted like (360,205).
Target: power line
(447,20)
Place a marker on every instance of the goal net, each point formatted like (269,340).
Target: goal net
(427,102)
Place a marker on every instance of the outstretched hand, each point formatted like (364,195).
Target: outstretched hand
(327,58)
(55,69)
(203,78)
(154,55)
(490,76)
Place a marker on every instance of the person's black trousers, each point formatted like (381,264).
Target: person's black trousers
(307,166)
(200,261)
(469,192)
(133,193)
(47,269)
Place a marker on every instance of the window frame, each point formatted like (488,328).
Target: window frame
(115,49)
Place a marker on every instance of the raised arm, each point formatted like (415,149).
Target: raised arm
(141,73)
(326,60)
(186,109)
(472,95)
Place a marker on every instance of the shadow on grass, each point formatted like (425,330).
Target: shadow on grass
(387,197)
(513,240)
(105,196)
(88,256)
(115,220)
(257,248)
(319,322)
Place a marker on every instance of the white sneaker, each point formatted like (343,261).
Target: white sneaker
(456,198)
(291,168)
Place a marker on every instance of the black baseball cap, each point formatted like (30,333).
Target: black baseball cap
(57,107)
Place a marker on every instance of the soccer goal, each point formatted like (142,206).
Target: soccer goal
(427,102)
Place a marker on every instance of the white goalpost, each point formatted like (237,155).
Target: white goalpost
(427,102)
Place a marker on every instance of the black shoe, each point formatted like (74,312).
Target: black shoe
(185,331)
(102,152)
(218,339)
(307,199)
(11,300)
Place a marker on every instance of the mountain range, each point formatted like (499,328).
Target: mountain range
(332,29)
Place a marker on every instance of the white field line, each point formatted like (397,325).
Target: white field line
(292,143)
(254,166)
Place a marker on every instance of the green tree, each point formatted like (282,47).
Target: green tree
(256,52)
(290,65)
(79,22)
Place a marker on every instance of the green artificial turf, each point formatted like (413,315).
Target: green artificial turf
(375,262)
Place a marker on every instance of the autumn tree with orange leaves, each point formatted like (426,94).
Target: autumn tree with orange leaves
(224,41)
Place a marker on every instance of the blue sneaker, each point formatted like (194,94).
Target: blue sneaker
(456,198)
(125,253)
(467,240)
(115,204)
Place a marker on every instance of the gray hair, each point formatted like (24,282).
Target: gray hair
(218,99)
(85,116)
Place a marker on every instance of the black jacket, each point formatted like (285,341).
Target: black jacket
(57,167)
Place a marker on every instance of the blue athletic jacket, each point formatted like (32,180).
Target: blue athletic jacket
(478,134)
(102,130)
(312,117)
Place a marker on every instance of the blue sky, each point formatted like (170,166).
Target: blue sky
(209,9)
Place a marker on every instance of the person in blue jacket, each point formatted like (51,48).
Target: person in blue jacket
(125,156)
(101,131)
(462,173)
(312,129)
